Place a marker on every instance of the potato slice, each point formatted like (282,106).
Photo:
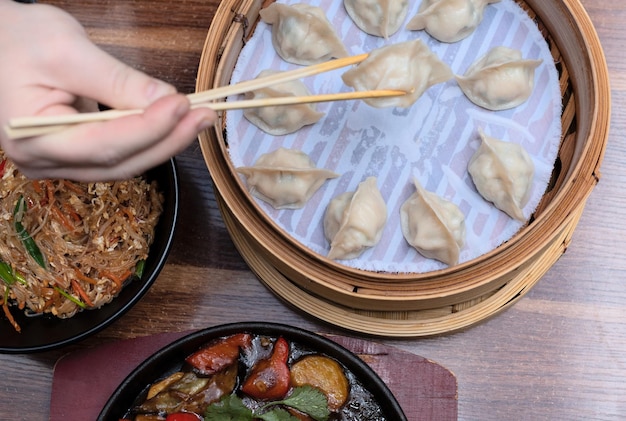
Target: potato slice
(325,374)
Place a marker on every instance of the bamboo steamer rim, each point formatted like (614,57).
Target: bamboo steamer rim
(413,324)
(577,47)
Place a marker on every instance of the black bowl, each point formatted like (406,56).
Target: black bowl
(171,357)
(46,332)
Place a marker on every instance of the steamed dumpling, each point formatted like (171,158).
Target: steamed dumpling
(500,79)
(285,178)
(282,119)
(435,227)
(354,221)
(407,66)
(503,174)
(449,20)
(380,18)
(302,34)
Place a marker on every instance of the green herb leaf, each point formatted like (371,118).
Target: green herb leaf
(29,244)
(6,273)
(229,408)
(306,399)
(9,277)
(277,414)
(139,268)
(70,297)
(20,278)
(309,400)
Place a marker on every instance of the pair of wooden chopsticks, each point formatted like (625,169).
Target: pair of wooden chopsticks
(23,127)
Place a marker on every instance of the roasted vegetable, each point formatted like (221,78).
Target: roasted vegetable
(220,355)
(325,374)
(191,393)
(183,416)
(269,378)
(160,386)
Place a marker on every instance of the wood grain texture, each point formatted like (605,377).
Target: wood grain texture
(558,354)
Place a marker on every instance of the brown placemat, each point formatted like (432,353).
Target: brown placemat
(83,380)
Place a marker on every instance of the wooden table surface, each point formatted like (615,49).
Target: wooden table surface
(559,353)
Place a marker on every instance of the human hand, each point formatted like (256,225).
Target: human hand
(48,66)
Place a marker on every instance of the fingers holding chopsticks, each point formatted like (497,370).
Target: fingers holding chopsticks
(51,64)
(115,149)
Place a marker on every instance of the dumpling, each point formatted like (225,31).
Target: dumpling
(449,20)
(503,174)
(302,34)
(281,119)
(354,221)
(380,18)
(500,79)
(285,178)
(408,66)
(435,227)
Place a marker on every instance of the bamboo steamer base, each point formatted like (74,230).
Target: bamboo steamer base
(416,305)
(409,323)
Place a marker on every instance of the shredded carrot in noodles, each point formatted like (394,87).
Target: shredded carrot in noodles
(68,239)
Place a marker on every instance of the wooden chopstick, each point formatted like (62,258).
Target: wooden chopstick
(273,79)
(60,124)
(65,122)
(291,100)
(23,127)
(68,119)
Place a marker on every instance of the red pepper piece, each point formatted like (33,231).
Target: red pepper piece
(183,416)
(3,164)
(269,378)
(216,357)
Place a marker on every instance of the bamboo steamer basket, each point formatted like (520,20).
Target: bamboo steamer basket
(437,302)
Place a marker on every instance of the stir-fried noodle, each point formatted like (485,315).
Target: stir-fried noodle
(67,246)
